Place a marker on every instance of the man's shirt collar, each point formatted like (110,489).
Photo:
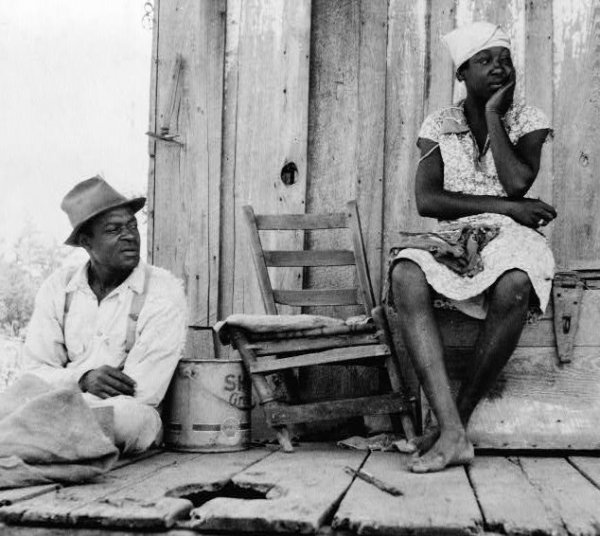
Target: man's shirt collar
(135,281)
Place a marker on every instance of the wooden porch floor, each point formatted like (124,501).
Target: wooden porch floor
(309,491)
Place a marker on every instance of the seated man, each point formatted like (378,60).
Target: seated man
(113,327)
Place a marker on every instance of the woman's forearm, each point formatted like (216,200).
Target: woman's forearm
(515,175)
(446,205)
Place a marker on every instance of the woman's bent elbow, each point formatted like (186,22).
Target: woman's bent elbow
(425,208)
(520,185)
(517,191)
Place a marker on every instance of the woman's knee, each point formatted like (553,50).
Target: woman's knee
(409,281)
(513,289)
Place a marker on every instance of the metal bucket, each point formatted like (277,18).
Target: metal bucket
(208,406)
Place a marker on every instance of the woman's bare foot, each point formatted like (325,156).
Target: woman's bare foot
(452,448)
(419,444)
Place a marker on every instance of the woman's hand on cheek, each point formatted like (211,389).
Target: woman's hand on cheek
(502,99)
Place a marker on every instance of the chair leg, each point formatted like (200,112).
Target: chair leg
(393,368)
(284,438)
(263,389)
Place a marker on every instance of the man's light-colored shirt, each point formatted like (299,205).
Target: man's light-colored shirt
(95,333)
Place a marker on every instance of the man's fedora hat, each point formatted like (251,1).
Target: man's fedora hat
(90,198)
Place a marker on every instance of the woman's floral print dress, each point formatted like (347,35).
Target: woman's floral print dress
(467,171)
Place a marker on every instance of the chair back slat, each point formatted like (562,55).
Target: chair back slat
(307,298)
(362,294)
(285,222)
(341,257)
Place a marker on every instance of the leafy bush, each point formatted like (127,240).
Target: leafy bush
(23,267)
(10,356)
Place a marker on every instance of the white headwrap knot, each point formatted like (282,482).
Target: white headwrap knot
(468,40)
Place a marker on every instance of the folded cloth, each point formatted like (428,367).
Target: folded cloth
(49,435)
(458,249)
(285,323)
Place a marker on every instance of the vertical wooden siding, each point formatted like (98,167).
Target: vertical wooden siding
(268,50)
(264,83)
(406,61)
(187,177)
(345,156)
(577,143)
(246,62)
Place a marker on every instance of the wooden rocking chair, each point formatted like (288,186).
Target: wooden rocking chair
(369,343)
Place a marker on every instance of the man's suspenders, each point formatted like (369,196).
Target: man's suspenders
(68,299)
(137,303)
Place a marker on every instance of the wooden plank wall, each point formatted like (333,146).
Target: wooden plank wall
(345,155)
(340,89)
(241,113)
(185,184)
(577,115)
(268,54)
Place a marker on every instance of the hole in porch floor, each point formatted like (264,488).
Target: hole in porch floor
(199,495)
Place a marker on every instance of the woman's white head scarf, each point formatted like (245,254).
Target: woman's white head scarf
(468,40)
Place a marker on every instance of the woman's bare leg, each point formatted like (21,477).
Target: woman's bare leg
(424,344)
(497,339)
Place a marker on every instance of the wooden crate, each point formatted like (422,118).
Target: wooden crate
(537,402)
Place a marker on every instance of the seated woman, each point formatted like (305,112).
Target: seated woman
(479,159)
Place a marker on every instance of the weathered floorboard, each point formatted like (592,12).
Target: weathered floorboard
(56,508)
(509,502)
(565,492)
(159,500)
(589,467)
(141,495)
(436,503)
(12,496)
(302,488)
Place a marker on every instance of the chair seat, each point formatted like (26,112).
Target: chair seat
(265,327)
